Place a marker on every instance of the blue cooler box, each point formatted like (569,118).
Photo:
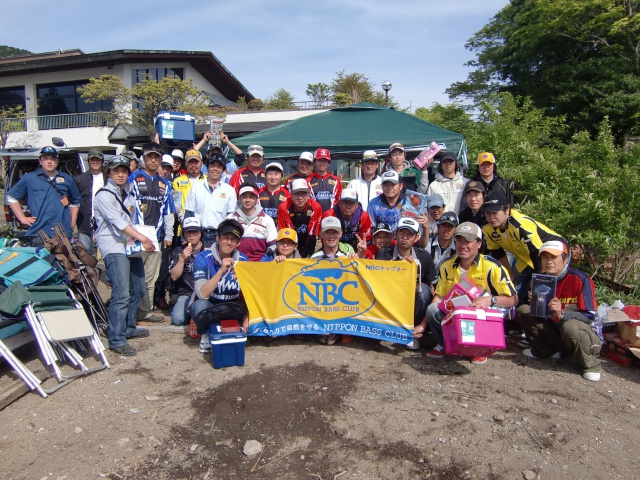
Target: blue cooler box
(227,348)
(176,126)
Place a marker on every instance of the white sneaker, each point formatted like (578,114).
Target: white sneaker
(205,343)
(592,376)
(414,345)
(528,352)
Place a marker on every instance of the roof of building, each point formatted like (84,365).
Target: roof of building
(204,62)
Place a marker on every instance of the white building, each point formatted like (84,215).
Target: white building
(46,85)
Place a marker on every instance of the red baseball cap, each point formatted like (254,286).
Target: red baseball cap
(323,153)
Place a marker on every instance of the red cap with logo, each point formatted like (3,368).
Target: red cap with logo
(323,154)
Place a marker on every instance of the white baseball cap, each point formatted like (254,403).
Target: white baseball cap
(273,165)
(167,160)
(299,185)
(177,153)
(308,156)
(349,194)
(330,223)
(255,149)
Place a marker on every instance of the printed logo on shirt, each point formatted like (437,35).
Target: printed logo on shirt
(331,182)
(59,180)
(495,235)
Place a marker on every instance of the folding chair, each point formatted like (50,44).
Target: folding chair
(62,329)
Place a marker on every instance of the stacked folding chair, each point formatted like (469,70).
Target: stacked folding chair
(59,323)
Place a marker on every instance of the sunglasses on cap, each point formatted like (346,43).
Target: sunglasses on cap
(49,151)
(448,219)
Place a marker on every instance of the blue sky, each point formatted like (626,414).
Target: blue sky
(417,45)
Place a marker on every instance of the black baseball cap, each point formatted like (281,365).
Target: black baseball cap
(230,226)
(495,201)
(448,217)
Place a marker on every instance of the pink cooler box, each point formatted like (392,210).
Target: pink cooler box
(473,332)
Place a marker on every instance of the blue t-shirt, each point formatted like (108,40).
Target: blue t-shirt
(205,266)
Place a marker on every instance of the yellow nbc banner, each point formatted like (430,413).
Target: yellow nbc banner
(368,298)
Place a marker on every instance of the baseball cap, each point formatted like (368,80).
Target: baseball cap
(555,247)
(323,154)
(369,156)
(330,223)
(435,200)
(446,155)
(167,160)
(130,155)
(289,233)
(349,194)
(448,217)
(253,149)
(152,147)
(391,176)
(308,156)
(469,230)
(486,157)
(409,224)
(230,226)
(177,153)
(248,188)
(193,154)
(274,166)
(396,146)
(118,161)
(475,185)
(214,146)
(94,152)
(299,185)
(191,224)
(495,201)
(381,227)
(49,151)
(216,157)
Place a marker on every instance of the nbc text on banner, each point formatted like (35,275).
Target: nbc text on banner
(368,298)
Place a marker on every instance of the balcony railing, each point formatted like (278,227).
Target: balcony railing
(53,122)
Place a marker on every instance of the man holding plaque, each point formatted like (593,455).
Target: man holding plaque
(571,326)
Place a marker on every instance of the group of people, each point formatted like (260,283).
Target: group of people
(209,213)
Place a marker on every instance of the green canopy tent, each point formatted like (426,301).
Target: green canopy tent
(348,131)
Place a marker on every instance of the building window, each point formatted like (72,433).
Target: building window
(138,75)
(62,98)
(12,97)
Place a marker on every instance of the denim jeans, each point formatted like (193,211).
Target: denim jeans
(522,282)
(423,299)
(435,316)
(126,276)
(180,313)
(86,239)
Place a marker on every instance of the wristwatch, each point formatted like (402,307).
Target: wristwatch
(494,301)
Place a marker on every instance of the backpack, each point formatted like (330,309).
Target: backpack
(29,265)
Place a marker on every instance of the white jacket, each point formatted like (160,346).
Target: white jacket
(450,189)
(366,191)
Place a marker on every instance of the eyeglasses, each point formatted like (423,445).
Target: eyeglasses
(49,151)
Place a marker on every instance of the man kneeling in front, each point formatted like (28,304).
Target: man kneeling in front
(216,284)
(481,270)
(574,329)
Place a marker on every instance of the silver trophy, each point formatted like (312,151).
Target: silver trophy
(215,127)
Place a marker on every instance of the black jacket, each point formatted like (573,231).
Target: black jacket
(84,181)
(426,268)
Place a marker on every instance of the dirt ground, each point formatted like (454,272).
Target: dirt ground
(356,411)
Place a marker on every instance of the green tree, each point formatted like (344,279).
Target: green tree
(578,58)
(6,51)
(11,120)
(356,85)
(320,93)
(281,100)
(452,117)
(140,104)
(573,187)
